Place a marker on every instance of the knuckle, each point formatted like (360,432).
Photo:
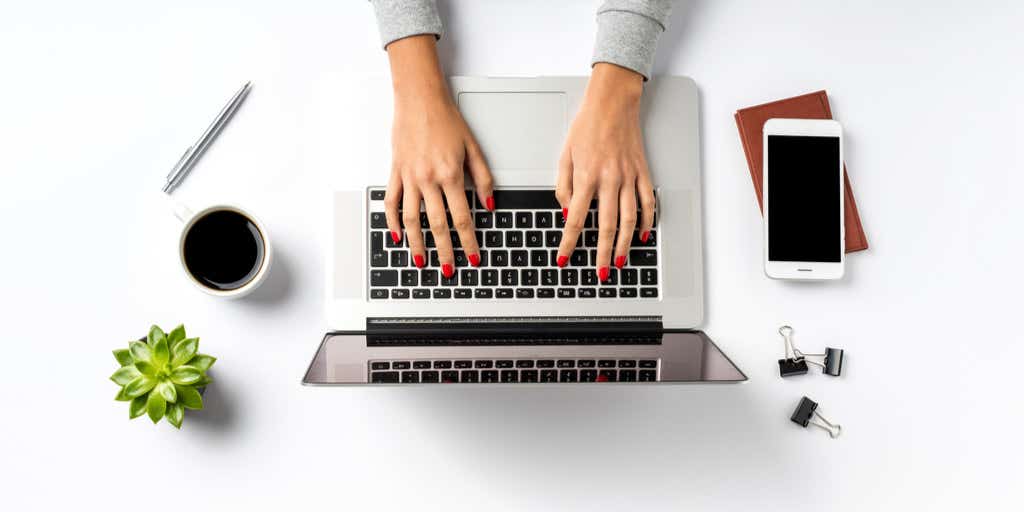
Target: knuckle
(628,218)
(462,222)
(438,225)
(485,181)
(576,224)
(605,232)
(411,217)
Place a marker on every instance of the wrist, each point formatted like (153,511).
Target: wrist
(416,74)
(612,83)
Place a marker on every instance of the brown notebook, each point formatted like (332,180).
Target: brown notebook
(751,120)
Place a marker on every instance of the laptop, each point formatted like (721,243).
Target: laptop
(518,318)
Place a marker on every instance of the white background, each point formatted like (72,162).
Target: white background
(98,99)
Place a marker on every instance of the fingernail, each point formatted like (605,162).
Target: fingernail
(644,236)
(418,260)
(602,274)
(565,214)
(395,237)
(620,261)
(447,270)
(562,260)
(474,259)
(490,203)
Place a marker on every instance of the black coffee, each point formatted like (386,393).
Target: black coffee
(223,250)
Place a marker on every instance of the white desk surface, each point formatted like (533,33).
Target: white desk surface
(99,98)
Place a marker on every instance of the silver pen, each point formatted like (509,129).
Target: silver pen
(195,151)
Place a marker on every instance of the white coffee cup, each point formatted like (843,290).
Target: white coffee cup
(252,279)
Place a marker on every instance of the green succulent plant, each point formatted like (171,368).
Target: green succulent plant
(162,375)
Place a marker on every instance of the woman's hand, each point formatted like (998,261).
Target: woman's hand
(604,159)
(431,144)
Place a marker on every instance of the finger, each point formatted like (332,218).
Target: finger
(483,182)
(627,222)
(392,199)
(645,191)
(563,186)
(439,227)
(578,207)
(462,220)
(607,216)
(411,216)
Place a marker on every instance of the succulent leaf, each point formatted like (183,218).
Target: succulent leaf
(175,414)
(137,407)
(202,362)
(140,351)
(185,351)
(123,356)
(166,389)
(155,335)
(186,375)
(161,353)
(140,386)
(146,368)
(124,375)
(206,380)
(189,397)
(122,397)
(177,334)
(156,406)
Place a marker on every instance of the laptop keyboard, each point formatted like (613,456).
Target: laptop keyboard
(518,253)
(513,371)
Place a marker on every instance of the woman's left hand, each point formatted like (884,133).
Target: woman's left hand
(604,159)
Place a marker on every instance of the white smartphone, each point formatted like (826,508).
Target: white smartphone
(802,199)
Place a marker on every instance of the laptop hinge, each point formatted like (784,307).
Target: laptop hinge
(521,326)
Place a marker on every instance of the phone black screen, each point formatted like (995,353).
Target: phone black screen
(803,198)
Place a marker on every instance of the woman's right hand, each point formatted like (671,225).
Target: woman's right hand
(431,146)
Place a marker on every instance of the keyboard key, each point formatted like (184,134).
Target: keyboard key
(588,277)
(483,220)
(450,281)
(384,377)
(534,239)
(524,293)
(504,363)
(424,221)
(627,376)
(499,258)
(378,259)
(588,375)
(410,377)
(649,276)
(399,259)
(483,364)
(559,220)
(606,363)
(428,240)
(376,241)
(390,243)
(410,278)
(627,363)
(483,293)
(606,293)
(421,365)
(524,220)
(543,219)
(509,376)
(590,238)
(648,363)
(489,277)
(587,293)
(400,293)
(470,376)
(510,277)
(378,220)
(428,277)
(651,239)
(566,293)
(613,277)
(538,258)
(463,293)
(627,293)
(586,363)
(380,366)
(435,259)
(502,219)
(569,376)
(489,376)
(606,376)
(442,364)
(648,376)
(566,363)
(442,293)
(528,376)
(430,376)
(524,363)
(570,277)
(513,239)
(520,259)
(553,238)
(546,363)
(493,239)
(549,277)
(648,293)
(376,195)
(450,376)
(528,277)
(549,375)
(643,258)
(379,293)
(460,259)
(470,276)
(545,293)
(503,293)
(629,276)
(578,259)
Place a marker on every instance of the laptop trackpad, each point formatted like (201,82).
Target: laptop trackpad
(517,130)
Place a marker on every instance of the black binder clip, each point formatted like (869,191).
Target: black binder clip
(807,408)
(796,361)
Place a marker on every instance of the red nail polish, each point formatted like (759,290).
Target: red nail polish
(490,203)
(447,270)
(602,274)
(565,214)
(602,378)
(644,236)
(562,260)
(620,261)
(474,259)
(395,237)
(418,260)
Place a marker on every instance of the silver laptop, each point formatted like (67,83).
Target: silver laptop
(518,318)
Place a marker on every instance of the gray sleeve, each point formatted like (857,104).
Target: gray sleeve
(628,32)
(397,19)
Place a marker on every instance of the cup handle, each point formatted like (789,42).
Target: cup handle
(182,212)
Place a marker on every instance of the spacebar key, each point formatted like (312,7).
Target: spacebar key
(526,200)
(643,258)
